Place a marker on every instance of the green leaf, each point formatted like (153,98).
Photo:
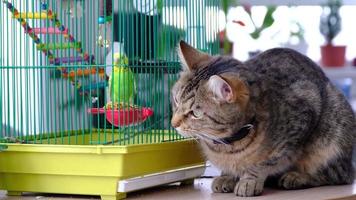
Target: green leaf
(227,46)
(256,34)
(268,20)
(225,5)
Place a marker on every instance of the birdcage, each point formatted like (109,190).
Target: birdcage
(85,93)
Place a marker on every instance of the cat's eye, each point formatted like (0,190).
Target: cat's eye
(197,114)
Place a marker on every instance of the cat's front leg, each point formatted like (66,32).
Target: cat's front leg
(250,185)
(224,183)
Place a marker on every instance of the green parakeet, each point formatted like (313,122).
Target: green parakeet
(122,85)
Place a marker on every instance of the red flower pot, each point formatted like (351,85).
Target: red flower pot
(333,56)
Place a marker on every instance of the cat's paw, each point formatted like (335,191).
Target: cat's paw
(249,187)
(292,180)
(223,184)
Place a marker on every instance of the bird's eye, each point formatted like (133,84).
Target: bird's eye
(197,114)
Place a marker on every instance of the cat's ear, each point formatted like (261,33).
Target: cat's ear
(220,88)
(229,88)
(190,57)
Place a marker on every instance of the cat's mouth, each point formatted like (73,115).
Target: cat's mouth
(183,132)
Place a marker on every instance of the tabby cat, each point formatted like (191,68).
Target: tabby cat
(274,116)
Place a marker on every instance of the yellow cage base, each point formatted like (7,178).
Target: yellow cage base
(89,169)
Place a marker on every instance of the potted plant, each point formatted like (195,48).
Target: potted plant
(330,26)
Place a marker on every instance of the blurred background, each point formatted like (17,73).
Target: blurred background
(323,30)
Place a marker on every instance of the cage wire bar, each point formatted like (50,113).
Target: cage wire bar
(62,59)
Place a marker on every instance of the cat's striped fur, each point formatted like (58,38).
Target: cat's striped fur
(305,128)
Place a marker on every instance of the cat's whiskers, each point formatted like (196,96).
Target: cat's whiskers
(185,133)
(205,136)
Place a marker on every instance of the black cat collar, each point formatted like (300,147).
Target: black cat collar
(239,135)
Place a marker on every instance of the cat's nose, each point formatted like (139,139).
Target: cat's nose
(176,121)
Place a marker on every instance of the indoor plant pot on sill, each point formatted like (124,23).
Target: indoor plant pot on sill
(333,56)
(330,26)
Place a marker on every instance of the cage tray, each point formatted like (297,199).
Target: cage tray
(89,169)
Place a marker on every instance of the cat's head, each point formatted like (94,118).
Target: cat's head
(207,105)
